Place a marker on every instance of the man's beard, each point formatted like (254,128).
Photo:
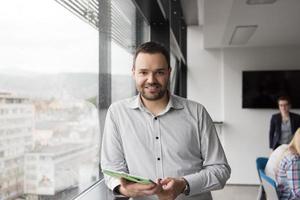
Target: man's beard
(156,96)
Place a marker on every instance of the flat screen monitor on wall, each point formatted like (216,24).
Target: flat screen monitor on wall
(261,89)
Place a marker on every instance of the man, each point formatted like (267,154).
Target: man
(283,125)
(161,136)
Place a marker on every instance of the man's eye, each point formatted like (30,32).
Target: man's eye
(161,73)
(143,73)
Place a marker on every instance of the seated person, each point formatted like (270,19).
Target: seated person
(274,160)
(286,169)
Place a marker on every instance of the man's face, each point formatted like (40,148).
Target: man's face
(284,106)
(151,73)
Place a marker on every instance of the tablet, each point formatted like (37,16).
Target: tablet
(129,177)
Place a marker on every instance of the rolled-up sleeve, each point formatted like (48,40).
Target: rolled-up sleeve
(112,156)
(215,170)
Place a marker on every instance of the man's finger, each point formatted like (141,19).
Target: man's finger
(165,181)
(124,182)
(169,185)
(136,186)
(155,190)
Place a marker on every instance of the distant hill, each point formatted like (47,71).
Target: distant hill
(64,85)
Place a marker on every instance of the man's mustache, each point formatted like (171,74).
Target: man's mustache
(152,85)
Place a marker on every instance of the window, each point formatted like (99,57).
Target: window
(121,29)
(128,30)
(49,70)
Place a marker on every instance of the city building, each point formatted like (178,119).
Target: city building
(16,128)
(53,169)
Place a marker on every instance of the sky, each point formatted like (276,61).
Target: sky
(44,37)
(121,60)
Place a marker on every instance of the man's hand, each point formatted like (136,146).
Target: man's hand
(172,187)
(131,189)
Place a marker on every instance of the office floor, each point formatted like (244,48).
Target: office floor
(236,192)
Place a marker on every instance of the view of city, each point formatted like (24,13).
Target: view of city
(47,146)
(50,133)
(49,124)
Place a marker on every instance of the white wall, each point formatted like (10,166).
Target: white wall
(215,80)
(204,74)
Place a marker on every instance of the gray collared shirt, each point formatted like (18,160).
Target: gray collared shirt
(181,141)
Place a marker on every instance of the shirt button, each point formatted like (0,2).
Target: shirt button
(157,138)
(158,158)
(155,118)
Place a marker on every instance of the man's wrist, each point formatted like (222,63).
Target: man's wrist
(186,189)
(117,192)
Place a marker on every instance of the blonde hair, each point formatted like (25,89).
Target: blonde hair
(294,145)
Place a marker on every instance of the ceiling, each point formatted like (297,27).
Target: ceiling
(278,24)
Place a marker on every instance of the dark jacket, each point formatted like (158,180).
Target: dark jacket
(275,128)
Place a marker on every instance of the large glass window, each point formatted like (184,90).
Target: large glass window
(49,126)
(128,31)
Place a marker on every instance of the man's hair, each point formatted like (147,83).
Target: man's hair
(284,98)
(151,48)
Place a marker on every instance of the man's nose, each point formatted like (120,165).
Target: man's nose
(151,78)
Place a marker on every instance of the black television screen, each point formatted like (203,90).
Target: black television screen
(261,89)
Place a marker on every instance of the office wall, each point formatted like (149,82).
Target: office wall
(204,74)
(245,131)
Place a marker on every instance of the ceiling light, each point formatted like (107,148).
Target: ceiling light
(254,2)
(242,34)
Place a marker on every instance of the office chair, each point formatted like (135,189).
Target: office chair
(268,184)
(261,164)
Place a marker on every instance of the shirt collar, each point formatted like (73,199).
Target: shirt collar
(174,102)
(135,102)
